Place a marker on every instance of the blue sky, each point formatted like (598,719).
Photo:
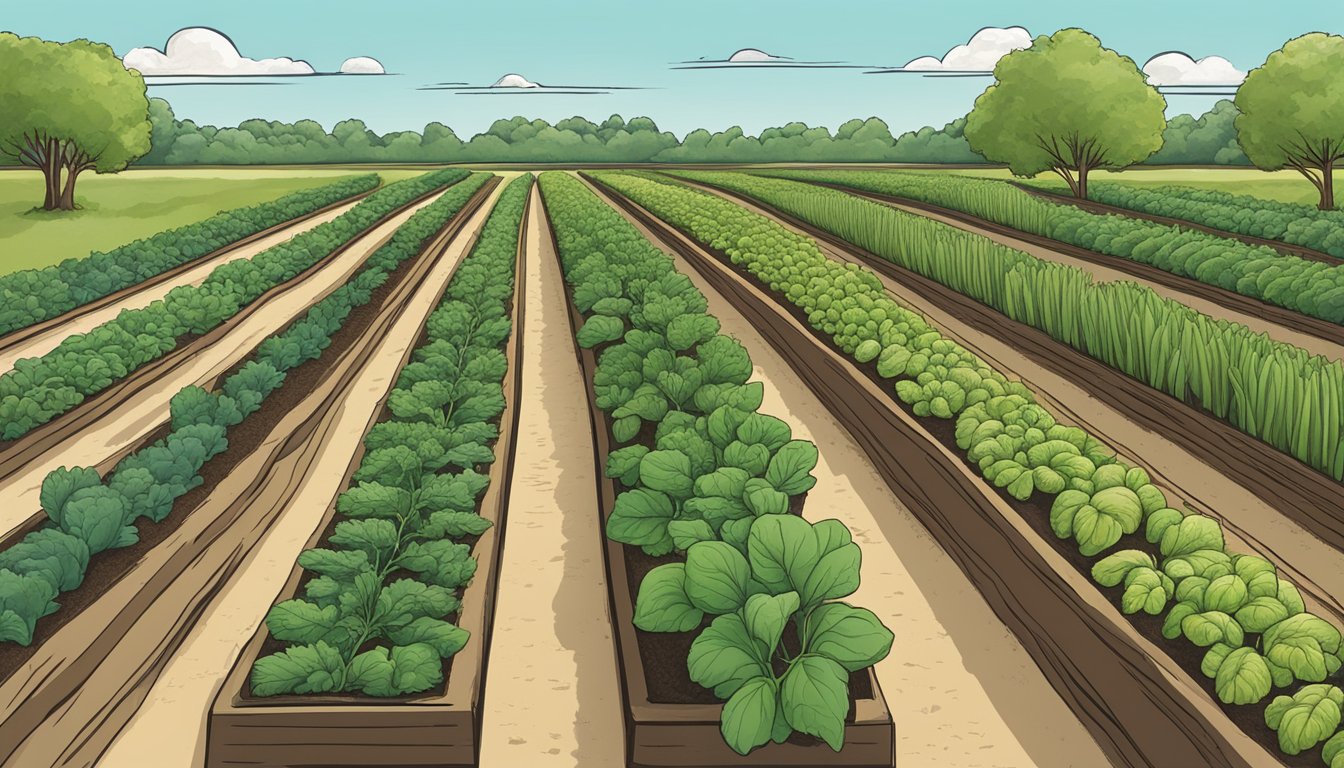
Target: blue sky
(608,43)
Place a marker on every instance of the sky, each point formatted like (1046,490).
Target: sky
(622,57)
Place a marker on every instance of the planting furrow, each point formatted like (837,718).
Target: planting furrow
(1273,504)
(104,428)
(414,544)
(552,692)
(954,662)
(39,339)
(1133,689)
(1317,336)
(67,700)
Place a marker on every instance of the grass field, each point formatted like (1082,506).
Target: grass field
(128,206)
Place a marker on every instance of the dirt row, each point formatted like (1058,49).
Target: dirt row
(105,427)
(39,339)
(1140,703)
(1261,496)
(116,651)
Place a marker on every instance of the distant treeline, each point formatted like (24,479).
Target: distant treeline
(1209,139)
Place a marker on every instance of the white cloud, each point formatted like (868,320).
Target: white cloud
(1176,68)
(362,65)
(204,51)
(512,80)
(979,54)
(753,55)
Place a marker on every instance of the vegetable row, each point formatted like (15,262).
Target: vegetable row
(373,618)
(1303,225)
(1276,392)
(1313,288)
(88,514)
(39,389)
(34,295)
(1253,625)
(710,485)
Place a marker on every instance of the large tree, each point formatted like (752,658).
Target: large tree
(1292,111)
(68,108)
(1067,105)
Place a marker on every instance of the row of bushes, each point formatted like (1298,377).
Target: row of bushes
(33,295)
(416,502)
(88,514)
(1304,225)
(1313,288)
(1175,563)
(704,473)
(41,388)
(1237,374)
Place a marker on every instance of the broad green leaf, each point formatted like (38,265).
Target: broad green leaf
(766,616)
(762,499)
(725,656)
(1171,626)
(315,668)
(717,577)
(1193,533)
(769,431)
(376,538)
(445,638)
(301,622)
(684,533)
(853,637)
(791,467)
(1243,678)
(815,697)
(623,464)
(836,575)
(668,472)
(1333,751)
(1111,570)
(1226,594)
(783,551)
(662,605)
(1213,659)
(374,500)
(749,715)
(1209,627)
(753,459)
(1260,614)
(640,517)
(1306,718)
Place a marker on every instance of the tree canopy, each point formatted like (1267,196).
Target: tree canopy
(1067,105)
(85,111)
(1292,111)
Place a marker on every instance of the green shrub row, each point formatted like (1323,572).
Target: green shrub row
(34,295)
(1237,374)
(415,500)
(41,388)
(1313,288)
(706,474)
(88,514)
(1255,629)
(1303,225)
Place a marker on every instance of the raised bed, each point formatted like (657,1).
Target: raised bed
(660,734)
(121,627)
(38,329)
(14,454)
(1140,704)
(439,728)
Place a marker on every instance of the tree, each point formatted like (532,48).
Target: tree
(1067,105)
(1292,111)
(1209,139)
(69,108)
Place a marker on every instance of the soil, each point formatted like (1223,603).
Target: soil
(171,721)
(552,691)
(1035,514)
(1185,450)
(101,439)
(41,339)
(1319,337)
(961,688)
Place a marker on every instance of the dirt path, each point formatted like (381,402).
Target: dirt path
(41,343)
(1305,559)
(104,442)
(962,690)
(551,694)
(171,721)
(1312,343)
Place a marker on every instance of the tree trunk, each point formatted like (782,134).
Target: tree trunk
(67,198)
(1328,187)
(1081,190)
(51,173)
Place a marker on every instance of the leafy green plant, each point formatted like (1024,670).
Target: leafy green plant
(407,512)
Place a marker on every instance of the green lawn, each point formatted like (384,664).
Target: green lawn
(118,209)
(1285,186)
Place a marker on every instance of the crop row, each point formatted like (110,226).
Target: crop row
(706,474)
(1312,288)
(34,295)
(415,502)
(41,388)
(1303,225)
(1239,375)
(88,514)
(1253,624)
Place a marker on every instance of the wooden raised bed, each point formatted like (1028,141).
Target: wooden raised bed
(662,735)
(16,453)
(1139,703)
(85,677)
(435,729)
